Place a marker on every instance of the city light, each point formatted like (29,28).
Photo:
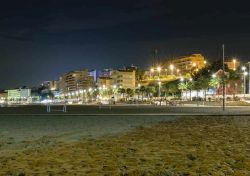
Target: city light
(214,76)
(234,61)
(158,69)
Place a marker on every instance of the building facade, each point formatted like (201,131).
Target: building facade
(232,64)
(3,96)
(124,78)
(75,81)
(105,82)
(19,94)
(186,64)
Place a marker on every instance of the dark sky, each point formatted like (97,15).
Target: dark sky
(40,39)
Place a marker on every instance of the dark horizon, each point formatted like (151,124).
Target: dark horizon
(41,39)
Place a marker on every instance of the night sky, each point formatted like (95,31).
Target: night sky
(40,39)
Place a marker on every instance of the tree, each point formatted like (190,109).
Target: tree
(170,87)
(137,91)
(150,91)
(129,92)
(122,91)
(139,74)
(142,90)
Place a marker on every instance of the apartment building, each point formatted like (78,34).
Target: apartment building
(186,64)
(124,78)
(75,80)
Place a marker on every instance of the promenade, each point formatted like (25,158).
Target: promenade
(126,110)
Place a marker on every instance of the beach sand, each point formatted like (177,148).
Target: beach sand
(185,146)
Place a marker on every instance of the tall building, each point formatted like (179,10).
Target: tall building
(105,82)
(75,80)
(93,73)
(124,78)
(187,63)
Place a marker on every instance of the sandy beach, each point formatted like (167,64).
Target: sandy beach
(153,146)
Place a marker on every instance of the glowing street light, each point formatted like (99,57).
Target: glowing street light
(243,68)
(177,71)
(214,75)
(159,70)
(171,68)
(151,72)
(234,62)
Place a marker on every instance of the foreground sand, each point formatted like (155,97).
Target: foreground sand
(187,146)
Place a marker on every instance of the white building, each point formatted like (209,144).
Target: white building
(19,95)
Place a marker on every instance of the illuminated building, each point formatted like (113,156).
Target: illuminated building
(232,64)
(3,96)
(75,81)
(104,82)
(19,94)
(124,78)
(186,64)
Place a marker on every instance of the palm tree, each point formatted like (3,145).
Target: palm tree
(122,91)
(150,91)
(171,87)
(182,86)
(129,92)
(137,91)
(142,90)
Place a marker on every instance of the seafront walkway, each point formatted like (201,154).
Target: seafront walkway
(127,110)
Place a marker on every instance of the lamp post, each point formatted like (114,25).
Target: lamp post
(159,91)
(244,78)
(139,87)
(159,71)
(249,77)
(177,72)
(182,79)
(171,68)
(234,62)
(190,80)
(151,72)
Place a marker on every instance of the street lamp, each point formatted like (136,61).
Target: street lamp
(159,92)
(177,71)
(244,76)
(159,71)
(171,68)
(151,72)
(234,61)
(214,75)
(190,80)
